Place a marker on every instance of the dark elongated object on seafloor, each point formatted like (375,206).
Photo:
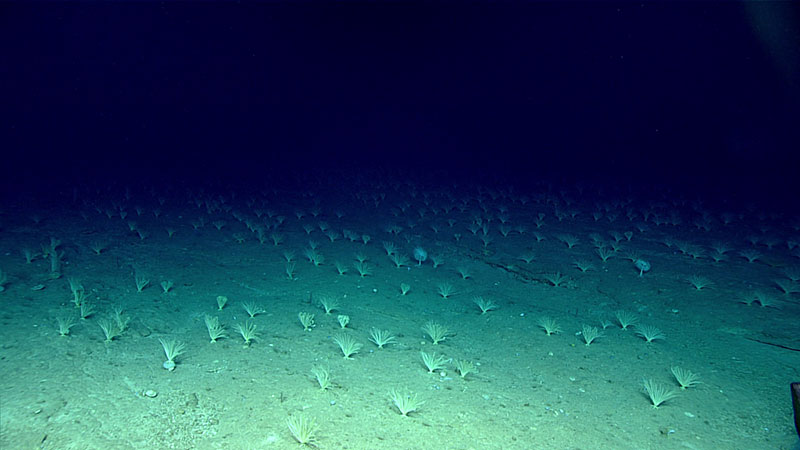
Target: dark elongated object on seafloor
(796,405)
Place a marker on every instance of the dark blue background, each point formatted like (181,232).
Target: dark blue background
(700,97)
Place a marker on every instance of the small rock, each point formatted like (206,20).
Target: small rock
(150,393)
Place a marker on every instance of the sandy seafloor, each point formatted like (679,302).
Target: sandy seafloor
(531,391)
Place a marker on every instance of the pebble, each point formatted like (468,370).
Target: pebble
(150,393)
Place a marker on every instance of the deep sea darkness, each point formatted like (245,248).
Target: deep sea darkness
(695,98)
